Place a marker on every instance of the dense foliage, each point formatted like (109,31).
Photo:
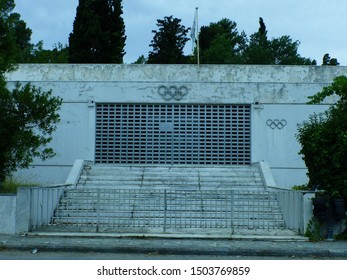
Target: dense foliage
(168,42)
(14,36)
(28,114)
(324,141)
(98,34)
(28,119)
(221,43)
(59,54)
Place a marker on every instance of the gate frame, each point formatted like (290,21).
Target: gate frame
(250,119)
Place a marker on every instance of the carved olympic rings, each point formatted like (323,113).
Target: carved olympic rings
(173,92)
(276,123)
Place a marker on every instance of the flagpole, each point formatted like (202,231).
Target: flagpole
(197,28)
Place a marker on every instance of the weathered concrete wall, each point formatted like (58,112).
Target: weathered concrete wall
(207,84)
(7,214)
(277,94)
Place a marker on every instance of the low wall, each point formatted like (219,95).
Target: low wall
(7,214)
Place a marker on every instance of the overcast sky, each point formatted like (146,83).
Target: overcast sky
(320,25)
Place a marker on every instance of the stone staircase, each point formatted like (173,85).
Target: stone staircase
(106,210)
(172,177)
(169,199)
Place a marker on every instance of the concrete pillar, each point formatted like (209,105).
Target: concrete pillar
(23,210)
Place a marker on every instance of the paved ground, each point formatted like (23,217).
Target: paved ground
(245,246)
(58,255)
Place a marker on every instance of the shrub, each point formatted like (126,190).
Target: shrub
(323,139)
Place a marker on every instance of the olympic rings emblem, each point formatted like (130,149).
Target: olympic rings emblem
(276,123)
(173,92)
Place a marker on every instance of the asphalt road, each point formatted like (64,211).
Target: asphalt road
(27,255)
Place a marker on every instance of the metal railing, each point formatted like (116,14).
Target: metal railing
(107,210)
(104,209)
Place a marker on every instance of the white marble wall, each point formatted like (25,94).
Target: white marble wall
(275,92)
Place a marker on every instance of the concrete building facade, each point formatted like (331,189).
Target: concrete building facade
(177,114)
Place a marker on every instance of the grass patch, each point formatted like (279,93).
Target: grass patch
(314,230)
(304,187)
(10,186)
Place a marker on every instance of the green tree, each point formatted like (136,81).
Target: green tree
(141,60)
(327,61)
(323,139)
(98,34)
(29,117)
(14,36)
(277,51)
(220,43)
(168,42)
(15,41)
(285,52)
(258,50)
(59,54)
(28,114)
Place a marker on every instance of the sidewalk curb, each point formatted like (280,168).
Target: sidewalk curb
(169,247)
(281,238)
(179,251)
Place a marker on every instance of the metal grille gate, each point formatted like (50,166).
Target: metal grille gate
(172,134)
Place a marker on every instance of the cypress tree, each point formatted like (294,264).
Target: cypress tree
(98,34)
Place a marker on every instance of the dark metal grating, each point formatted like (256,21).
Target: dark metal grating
(173,134)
